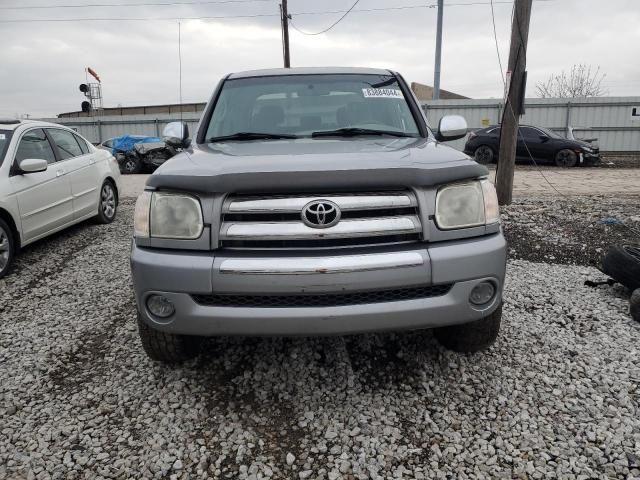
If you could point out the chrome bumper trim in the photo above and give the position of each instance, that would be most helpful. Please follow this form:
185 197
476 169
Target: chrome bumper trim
321 265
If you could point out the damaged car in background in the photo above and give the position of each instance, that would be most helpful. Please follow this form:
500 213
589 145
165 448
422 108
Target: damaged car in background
544 145
137 153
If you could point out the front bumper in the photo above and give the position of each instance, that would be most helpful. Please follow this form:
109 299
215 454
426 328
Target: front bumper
587 158
181 275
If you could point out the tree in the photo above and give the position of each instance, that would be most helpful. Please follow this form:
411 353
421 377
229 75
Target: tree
581 81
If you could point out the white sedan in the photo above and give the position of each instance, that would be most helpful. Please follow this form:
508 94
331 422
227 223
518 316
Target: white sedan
50 179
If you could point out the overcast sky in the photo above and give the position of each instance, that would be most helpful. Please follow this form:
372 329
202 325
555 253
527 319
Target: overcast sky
42 63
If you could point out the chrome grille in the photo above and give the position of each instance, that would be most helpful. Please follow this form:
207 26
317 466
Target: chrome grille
266 222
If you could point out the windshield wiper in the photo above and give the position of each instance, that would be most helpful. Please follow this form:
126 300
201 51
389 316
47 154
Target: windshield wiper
251 136
352 132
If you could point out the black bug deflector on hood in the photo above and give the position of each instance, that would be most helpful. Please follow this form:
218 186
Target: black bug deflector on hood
306 164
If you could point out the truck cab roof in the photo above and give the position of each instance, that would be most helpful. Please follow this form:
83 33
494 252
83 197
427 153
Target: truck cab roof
272 72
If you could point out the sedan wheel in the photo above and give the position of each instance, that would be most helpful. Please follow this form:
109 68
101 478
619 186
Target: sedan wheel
483 155
108 203
566 158
130 166
6 248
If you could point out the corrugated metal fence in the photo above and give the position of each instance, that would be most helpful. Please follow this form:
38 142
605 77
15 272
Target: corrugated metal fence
610 119
99 129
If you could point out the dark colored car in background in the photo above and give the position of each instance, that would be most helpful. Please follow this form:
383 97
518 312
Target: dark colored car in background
543 144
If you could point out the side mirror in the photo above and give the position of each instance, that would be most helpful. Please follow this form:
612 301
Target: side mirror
544 138
451 127
32 165
176 134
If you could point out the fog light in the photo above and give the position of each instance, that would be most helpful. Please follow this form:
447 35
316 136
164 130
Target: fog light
160 306
482 293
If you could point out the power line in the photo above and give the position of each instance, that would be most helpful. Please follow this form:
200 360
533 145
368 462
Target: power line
495 36
138 19
330 26
219 17
144 4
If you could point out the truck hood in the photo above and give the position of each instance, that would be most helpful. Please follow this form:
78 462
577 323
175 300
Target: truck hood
314 164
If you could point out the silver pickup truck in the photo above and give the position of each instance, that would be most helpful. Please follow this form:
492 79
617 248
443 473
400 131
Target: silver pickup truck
311 202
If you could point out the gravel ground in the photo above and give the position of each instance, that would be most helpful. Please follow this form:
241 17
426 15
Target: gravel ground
556 397
618 160
570 231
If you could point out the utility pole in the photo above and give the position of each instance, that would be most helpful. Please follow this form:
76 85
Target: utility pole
284 13
436 70
516 84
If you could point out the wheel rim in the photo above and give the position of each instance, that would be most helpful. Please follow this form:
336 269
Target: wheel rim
108 201
565 158
5 249
484 155
129 166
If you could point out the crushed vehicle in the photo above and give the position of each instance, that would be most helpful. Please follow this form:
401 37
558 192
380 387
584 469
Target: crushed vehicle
316 201
136 154
544 145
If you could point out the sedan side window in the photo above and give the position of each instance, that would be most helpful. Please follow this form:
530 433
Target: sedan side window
83 144
35 144
66 143
529 133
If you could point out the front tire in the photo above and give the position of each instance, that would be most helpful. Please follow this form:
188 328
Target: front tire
130 165
566 158
108 203
7 248
166 347
484 155
471 337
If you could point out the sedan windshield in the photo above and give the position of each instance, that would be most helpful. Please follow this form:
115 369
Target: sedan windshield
293 106
5 137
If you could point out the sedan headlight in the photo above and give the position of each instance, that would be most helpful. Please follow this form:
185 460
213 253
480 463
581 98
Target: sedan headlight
168 215
464 205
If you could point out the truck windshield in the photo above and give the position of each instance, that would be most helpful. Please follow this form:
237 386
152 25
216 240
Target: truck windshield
291 106
5 137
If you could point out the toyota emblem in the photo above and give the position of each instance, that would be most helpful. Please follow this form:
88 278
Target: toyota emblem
321 214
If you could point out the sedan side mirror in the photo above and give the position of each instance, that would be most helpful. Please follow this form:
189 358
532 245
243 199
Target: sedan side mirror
32 165
451 127
544 138
176 134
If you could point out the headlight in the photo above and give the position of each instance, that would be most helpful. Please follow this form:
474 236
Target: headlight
465 205
168 215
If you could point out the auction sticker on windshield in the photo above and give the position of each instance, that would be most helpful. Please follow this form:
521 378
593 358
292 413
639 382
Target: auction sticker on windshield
382 93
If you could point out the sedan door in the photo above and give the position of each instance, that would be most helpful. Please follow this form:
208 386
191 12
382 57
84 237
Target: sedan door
533 143
80 166
44 198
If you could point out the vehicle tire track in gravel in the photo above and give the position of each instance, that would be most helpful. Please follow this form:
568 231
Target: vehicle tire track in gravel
46 258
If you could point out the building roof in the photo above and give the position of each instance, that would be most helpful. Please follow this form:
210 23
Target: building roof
425 93
139 110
